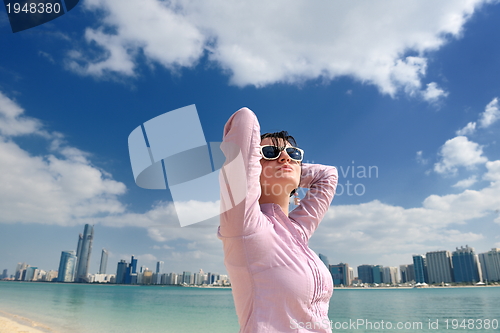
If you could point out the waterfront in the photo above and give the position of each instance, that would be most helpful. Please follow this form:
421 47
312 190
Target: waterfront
84 308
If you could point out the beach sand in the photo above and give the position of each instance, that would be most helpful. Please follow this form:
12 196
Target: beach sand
10 323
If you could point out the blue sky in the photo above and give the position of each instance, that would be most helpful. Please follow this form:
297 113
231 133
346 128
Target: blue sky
414 96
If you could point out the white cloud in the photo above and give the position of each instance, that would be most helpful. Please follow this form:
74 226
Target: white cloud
163 247
491 113
146 257
161 33
58 188
470 128
13 122
459 152
433 93
421 159
379 229
465 183
261 42
64 188
493 173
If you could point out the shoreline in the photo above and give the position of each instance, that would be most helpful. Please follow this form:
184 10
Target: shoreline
10 323
408 287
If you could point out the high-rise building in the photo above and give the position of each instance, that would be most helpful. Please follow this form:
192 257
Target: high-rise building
104 262
337 273
4 274
159 272
186 277
466 266
131 272
407 273
386 275
490 265
439 266
67 266
51 276
324 259
79 248
390 275
411 272
147 277
121 270
420 267
197 279
341 274
133 264
172 278
31 273
377 274
20 271
365 273
84 251
159 267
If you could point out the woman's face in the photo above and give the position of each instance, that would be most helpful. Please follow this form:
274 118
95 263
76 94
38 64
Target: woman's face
280 176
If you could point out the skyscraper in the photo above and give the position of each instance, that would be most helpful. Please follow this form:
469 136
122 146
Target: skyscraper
466 265
407 273
131 272
324 259
20 270
67 266
390 275
365 273
83 253
439 267
420 267
340 274
104 262
79 248
490 264
133 263
187 278
159 267
121 271
377 274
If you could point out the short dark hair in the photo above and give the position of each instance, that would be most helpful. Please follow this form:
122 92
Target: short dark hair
276 137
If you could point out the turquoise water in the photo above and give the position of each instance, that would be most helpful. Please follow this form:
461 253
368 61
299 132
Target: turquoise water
417 310
110 308
80 308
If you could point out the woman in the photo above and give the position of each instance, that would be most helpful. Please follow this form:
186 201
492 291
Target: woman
279 284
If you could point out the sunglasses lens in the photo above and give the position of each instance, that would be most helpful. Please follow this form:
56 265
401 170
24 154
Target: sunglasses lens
294 153
270 152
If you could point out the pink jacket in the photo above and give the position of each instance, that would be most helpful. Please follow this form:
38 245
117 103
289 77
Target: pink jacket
279 284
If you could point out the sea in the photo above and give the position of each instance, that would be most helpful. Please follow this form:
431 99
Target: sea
82 308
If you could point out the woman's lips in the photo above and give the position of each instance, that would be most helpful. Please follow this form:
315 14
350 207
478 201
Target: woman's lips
286 167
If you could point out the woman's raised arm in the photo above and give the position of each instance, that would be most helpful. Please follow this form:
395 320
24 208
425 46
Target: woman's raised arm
240 175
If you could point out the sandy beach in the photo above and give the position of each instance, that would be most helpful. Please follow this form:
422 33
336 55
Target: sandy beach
10 323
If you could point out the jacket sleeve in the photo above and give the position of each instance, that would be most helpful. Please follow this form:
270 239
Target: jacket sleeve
240 176
321 180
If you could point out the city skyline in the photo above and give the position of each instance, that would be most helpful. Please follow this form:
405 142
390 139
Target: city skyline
408 113
433 268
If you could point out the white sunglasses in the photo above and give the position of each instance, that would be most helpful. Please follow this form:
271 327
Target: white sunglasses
270 152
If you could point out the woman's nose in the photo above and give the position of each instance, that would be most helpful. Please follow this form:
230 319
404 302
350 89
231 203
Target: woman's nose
284 157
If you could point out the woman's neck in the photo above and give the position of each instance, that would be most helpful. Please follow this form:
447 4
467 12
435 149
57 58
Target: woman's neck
281 201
